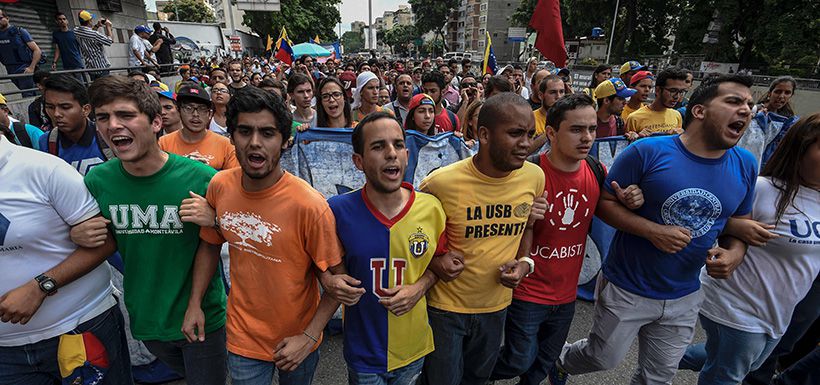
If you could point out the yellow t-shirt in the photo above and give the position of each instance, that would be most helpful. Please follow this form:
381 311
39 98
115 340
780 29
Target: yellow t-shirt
654 121
485 220
628 110
540 121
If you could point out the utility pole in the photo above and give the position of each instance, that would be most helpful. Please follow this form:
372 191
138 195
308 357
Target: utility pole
370 24
612 35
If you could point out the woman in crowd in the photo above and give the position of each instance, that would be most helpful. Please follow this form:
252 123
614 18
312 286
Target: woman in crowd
421 115
601 73
469 125
220 96
256 78
332 108
532 66
778 98
745 315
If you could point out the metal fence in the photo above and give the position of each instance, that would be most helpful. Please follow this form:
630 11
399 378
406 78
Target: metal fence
85 75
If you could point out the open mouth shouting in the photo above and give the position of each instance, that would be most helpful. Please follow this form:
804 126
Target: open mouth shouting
392 172
256 160
121 142
736 128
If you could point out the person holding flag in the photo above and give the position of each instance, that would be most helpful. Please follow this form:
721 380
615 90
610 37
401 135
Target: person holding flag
490 66
284 52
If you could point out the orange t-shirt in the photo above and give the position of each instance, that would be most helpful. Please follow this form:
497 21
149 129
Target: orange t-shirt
278 238
215 148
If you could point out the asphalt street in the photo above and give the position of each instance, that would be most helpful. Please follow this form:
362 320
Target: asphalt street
332 369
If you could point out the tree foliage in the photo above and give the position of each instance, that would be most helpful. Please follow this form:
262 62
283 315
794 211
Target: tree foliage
432 15
770 35
352 41
399 37
303 19
193 11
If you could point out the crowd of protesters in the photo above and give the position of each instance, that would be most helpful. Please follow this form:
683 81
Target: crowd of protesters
470 278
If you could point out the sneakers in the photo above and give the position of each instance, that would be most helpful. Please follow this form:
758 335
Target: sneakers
557 375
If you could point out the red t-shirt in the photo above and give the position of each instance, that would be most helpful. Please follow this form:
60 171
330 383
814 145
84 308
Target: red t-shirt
444 122
608 128
559 240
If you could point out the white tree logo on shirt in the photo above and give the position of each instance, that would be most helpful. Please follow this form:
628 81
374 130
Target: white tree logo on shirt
567 210
249 227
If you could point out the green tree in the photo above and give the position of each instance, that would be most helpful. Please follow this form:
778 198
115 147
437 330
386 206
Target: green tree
432 15
194 11
399 37
303 19
352 42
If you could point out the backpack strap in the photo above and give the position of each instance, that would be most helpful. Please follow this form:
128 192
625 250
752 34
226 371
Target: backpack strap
597 169
52 141
21 134
452 117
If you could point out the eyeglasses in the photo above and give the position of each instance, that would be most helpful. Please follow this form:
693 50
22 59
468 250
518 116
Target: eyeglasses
468 85
220 90
674 92
190 109
335 95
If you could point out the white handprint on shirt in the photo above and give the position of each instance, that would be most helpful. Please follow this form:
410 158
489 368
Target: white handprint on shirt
570 205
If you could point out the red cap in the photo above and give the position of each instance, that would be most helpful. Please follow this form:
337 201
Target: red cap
640 75
421 99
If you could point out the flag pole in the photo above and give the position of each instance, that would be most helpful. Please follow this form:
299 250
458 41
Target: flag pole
612 35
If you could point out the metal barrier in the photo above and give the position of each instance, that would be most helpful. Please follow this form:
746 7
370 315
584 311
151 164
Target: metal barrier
85 75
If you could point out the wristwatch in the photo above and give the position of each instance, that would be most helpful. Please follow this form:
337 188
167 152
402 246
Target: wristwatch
47 284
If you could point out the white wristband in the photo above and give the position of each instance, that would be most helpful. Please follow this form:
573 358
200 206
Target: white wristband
529 262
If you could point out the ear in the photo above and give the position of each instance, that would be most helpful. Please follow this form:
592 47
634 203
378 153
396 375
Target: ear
698 111
357 160
551 133
156 124
483 135
86 110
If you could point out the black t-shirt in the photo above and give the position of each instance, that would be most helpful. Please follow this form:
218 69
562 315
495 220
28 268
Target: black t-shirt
164 53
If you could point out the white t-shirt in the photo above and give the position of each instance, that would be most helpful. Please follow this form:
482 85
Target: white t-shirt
140 45
215 127
41 197
761 294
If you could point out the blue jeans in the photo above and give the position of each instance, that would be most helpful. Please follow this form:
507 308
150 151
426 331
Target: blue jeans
406 375
466 347
249 371
533 338
36 364
728 355
201 363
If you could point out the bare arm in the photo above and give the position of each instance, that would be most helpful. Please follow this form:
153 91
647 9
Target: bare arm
669 239
56 57
538 142
206 261
36 54
721 261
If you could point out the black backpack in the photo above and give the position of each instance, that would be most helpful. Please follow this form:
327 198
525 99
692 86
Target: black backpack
19 132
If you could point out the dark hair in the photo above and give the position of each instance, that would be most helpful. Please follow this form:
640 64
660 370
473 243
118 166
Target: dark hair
443 65
357 139
542 87
396 80
497 109
211 72
109 88
465 61
497 84
235 61
600 101
452 61
517 67
58 14
184 70
69 84
321 115
297 79
600 68
252 99
39 76
556 113
270 82
787 109
410 122
434 77
708 90
139 73
673 73
783 166
157 26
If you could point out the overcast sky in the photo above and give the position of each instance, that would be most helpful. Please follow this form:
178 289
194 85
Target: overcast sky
353 10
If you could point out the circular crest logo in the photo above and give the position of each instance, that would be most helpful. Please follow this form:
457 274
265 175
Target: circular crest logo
418 242
693 208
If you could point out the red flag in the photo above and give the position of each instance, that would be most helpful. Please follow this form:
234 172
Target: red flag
546 20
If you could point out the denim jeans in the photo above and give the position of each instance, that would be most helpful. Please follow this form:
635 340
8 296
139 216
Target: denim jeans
36 363
406 375
201 363
249 371
728 354
466 347
534 335
24 83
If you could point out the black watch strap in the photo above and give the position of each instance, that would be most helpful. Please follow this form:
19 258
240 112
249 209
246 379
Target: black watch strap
47 284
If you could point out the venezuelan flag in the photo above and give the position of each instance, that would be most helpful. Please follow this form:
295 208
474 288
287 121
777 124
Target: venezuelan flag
284 52
490 66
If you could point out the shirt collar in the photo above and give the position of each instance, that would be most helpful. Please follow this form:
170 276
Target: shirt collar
85 140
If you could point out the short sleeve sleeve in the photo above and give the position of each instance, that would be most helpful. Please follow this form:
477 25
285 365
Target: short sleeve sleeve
69 195
210 234
750 178
25 35
324 248
627 169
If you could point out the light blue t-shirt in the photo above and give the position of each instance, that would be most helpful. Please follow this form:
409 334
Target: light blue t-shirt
33 132
681 189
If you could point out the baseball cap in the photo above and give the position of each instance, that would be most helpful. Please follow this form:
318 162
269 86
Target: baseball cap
194 92
614 86
85 15
348 79
641 75
167 95
558 71
2 99
142 28
421 99
506 68
631 65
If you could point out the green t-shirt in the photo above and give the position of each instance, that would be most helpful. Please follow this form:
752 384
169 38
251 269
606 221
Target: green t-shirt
157 248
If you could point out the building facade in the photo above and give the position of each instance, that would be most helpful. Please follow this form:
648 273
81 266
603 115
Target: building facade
467 25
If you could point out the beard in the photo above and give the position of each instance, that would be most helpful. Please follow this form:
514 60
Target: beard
500 160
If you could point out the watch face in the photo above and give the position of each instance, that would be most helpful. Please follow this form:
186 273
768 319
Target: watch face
48 285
